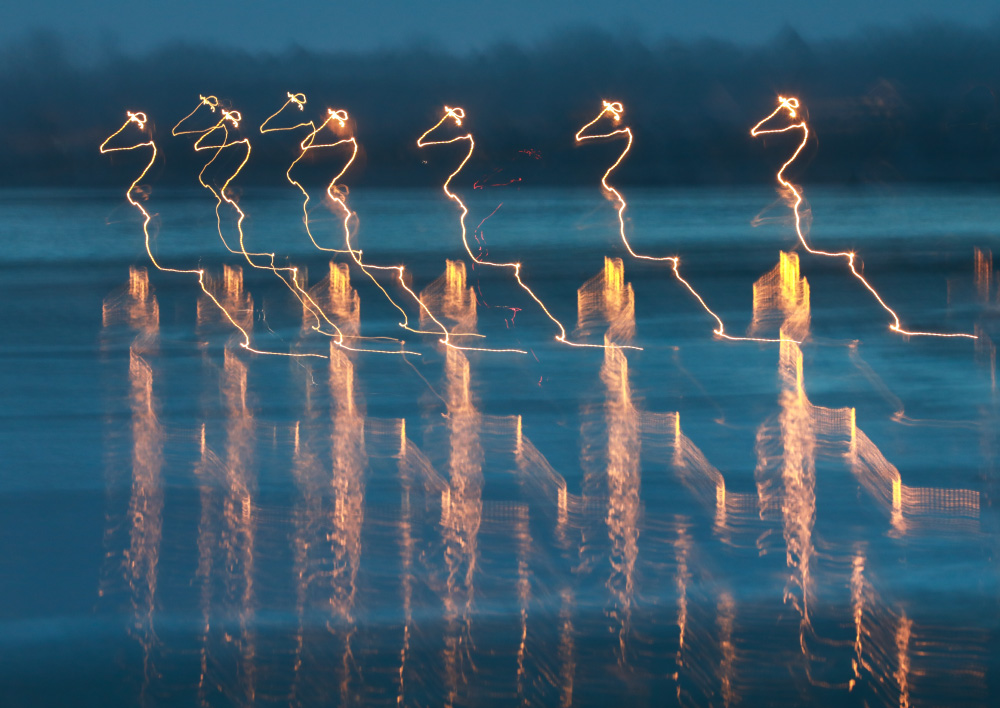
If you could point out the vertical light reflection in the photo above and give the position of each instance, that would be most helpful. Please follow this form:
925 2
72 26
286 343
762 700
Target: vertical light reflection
725 619
145 511
406 552
206 533
349 463
882 645
452 298
623 490
239 524
464 515
425 493
567 648
798 475
308 526
135 306
522 534
334 294
682 551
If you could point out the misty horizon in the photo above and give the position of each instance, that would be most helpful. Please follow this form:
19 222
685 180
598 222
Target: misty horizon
913 105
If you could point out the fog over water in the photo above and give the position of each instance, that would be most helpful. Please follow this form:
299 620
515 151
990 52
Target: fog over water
918 104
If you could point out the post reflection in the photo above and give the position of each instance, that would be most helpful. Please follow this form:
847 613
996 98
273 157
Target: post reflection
349 464
136 307
237 535
461 521
623 491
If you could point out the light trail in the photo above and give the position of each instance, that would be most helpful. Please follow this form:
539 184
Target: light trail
232 119
615 109
140 120
791 106
298 100
456 115
337 195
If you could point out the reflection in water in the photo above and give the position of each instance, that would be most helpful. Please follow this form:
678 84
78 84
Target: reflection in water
680 627
623 490
798 478
309 528
239 523
335 295
726 616
882 644
450 296
145 509
461 524
226 538
349 464
901 662
607 300
136 307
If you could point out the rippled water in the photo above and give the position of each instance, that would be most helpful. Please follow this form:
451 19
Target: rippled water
698 521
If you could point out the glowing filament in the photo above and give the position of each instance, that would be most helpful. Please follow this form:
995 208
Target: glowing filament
790 106
615 110
456 115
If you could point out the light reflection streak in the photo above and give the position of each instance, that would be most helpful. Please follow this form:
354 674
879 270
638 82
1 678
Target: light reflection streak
227 645
882 644
567 648
239 523
350 461
790 107
606 299
623 472
462 522
138 308
522 534
310 530
614 111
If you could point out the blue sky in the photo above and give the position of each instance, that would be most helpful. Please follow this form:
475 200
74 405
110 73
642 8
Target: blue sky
334 24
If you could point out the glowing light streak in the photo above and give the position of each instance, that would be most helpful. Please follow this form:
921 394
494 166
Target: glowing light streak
287 275
464 516
299 100
624 481
791 107
614 110
782 294
337 194
456 115
140 120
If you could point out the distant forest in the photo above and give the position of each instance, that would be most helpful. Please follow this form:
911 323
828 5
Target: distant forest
915 105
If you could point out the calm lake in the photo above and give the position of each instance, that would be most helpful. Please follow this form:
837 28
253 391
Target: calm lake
674 518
